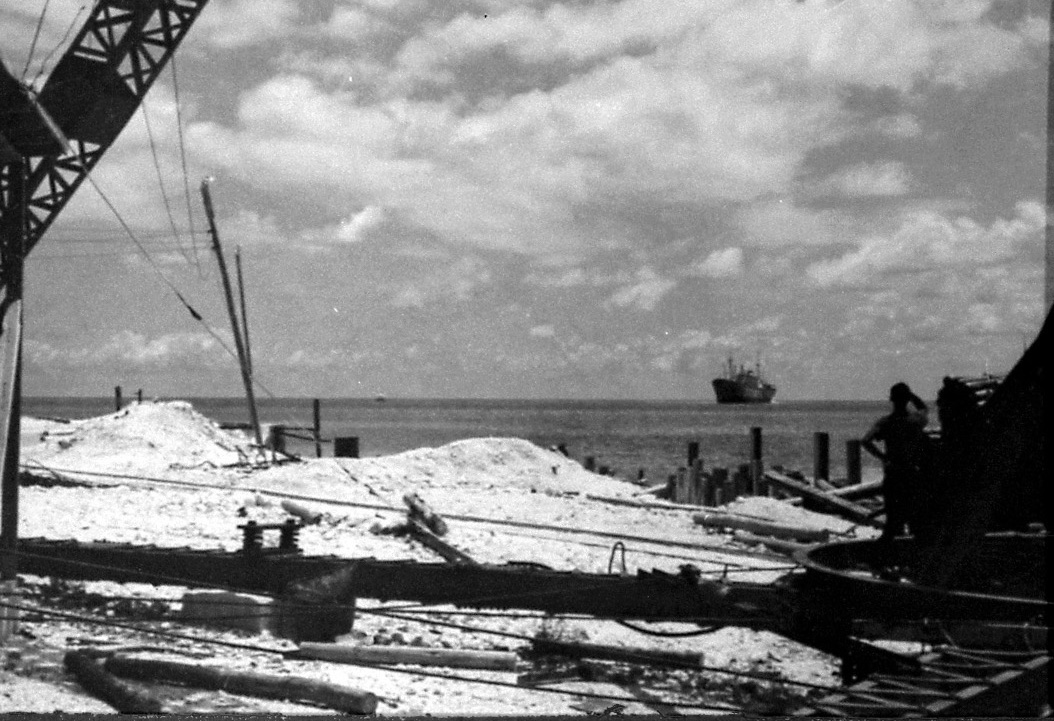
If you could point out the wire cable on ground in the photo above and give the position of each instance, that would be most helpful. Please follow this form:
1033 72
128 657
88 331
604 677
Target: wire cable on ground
384 667
381 612
389 507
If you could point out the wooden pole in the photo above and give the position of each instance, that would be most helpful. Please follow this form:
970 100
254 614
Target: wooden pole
117 403
238 337
316 412
417 656
757 464
12 256
292 688
241 302
693 452
121 695
852 462
821 456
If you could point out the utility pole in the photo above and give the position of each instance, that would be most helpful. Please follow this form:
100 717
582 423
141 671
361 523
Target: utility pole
12 260
228 294
241 302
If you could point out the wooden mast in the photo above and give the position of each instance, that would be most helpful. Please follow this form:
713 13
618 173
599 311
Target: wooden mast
239 343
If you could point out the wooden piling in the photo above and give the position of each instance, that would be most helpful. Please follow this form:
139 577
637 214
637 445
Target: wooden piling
718 480
742 481
757 464
590 463
821 456
693 452
852 463
698 487
117 398
316 413
139 396
681 487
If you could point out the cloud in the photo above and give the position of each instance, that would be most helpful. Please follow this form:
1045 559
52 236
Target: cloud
456 281
724 263
134 349
929 240
867 179
645 292
232 24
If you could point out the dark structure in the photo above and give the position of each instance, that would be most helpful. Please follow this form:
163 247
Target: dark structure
743 385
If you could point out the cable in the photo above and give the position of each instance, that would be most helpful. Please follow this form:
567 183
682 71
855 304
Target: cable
458 517
65 37
394 669
36 36
161 179
183 164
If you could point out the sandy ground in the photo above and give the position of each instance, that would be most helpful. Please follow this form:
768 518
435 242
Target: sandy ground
223 482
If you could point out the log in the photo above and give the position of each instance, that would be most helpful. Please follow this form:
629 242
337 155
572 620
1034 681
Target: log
642 656
448 552
651 490
859 490
101 684
410 655
288 688
422 511
764 528
828 501
308 515
779 545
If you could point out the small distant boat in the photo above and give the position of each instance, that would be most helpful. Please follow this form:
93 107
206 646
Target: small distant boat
743 385
381 398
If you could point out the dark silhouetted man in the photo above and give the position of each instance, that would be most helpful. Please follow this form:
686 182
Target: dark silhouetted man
904 456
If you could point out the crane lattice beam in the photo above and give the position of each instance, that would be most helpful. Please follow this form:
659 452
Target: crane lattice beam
92 93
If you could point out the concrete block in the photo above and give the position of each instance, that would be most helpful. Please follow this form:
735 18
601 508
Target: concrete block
223 609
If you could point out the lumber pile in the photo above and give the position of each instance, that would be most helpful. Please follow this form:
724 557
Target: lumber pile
825 501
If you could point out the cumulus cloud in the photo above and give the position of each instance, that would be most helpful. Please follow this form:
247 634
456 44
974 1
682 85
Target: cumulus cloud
927 240
645 292
133 349
868 179
724 263
456 281
231 24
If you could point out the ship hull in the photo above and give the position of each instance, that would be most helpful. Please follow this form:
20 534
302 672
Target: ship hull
729 391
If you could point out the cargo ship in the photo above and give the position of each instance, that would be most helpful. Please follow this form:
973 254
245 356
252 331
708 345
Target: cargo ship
743 385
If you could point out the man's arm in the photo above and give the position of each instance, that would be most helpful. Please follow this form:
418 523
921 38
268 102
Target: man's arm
868 441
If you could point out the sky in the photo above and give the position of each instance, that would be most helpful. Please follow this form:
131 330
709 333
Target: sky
557 199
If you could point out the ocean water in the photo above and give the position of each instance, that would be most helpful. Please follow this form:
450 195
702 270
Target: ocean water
625 436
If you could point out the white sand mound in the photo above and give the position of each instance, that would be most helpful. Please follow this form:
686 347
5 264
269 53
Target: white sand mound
488 465
777 511
145 438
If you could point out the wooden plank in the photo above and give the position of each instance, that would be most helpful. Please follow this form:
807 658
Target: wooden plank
422 511
761 528
780 545
832 503
445 550
288 688
859 490
410 655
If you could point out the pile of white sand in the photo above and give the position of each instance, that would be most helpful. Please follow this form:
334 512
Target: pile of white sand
142 438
